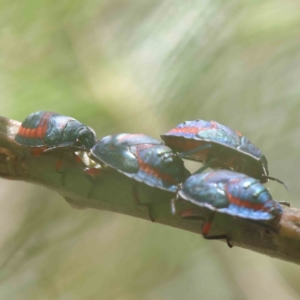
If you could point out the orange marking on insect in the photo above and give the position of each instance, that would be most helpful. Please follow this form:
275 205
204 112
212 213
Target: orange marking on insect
41 131
147 168
38 132
30 133
44 119
27 133
244 203
20 131
238 133
185 129
193 129
43 125
34 134
206 228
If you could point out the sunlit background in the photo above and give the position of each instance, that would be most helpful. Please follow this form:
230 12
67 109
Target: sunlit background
145 66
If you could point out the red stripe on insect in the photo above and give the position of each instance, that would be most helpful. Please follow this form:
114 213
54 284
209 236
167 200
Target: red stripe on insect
20 132
43 125
156 173
147 168
31 133
193 129
238 133
186 130
244 203
206 228
39 131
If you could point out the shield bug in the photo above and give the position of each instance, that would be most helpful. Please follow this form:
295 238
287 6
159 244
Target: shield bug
43 131
218 146
143 159
231 193
47 130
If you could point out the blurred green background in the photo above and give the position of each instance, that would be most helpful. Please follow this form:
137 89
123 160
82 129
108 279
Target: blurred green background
145 66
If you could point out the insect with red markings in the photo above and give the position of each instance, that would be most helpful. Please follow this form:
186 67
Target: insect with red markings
143 159
231 193
43 131
47 130
218 146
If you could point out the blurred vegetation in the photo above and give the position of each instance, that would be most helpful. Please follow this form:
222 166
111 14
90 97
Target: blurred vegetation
145 66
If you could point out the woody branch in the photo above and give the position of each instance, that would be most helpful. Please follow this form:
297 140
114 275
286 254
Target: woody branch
113 192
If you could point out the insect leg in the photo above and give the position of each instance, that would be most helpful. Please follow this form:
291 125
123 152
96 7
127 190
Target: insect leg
135 195
206 228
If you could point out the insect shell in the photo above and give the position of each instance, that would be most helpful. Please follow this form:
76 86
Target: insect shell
142 158
219 146
42 131
232 193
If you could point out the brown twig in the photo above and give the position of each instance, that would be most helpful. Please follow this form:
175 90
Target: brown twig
113 192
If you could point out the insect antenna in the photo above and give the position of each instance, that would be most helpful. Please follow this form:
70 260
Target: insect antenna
278 180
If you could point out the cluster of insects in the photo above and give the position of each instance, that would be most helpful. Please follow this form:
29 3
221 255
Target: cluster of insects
234 186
